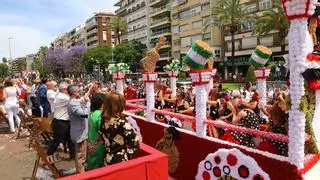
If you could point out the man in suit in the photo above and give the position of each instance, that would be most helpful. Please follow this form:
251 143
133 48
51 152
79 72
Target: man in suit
78 110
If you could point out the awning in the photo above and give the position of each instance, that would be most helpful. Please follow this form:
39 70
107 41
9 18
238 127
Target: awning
240 61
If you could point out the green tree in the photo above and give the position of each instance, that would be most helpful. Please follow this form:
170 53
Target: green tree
140 50
4 70
119 25
125 53
38 63
101 55
273 19
250 76
4 60
230 14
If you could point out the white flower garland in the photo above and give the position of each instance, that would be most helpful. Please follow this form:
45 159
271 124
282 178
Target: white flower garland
209 85
262 90
150 101
173 85
300 44
201 110
119 84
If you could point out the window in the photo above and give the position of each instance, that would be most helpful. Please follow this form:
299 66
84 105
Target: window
247 26
250 8
175 29
267 41
249 42
183 28
176 54
265 4
185 41
175 16
104 35
197 24
176 42
207 37
196 37
206 20
205 6
217 53
236 45
190 12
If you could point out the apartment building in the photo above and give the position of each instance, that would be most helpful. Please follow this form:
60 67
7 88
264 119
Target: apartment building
160 25
135 14
29 60
98 30
18 65
245 41
75 36
190 22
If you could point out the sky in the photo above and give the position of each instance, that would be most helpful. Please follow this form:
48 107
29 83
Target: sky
34 23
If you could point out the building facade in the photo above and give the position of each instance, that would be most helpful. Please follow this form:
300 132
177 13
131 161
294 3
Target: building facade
98 30
190 22
18 65
245 41
135 13
29 60
160 25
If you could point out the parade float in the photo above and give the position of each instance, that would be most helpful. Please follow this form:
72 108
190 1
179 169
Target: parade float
203 157
194 155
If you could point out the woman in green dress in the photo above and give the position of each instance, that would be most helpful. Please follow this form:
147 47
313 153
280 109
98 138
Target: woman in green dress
96 150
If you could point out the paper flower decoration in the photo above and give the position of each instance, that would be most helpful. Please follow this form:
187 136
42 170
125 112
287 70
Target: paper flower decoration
174 66
122 67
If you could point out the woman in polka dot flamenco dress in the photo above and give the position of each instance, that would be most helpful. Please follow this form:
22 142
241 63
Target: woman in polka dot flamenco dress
248 119
278 124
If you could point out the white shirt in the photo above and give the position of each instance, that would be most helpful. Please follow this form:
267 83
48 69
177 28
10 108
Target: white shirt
12 99
248 95
51 95
60 107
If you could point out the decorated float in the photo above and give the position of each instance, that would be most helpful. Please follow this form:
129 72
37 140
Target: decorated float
194 155
201 157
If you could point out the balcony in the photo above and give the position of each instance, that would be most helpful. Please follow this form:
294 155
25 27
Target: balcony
121 11
165 56
93 31
118 3
163 32
157 3
159 11
92 38
159 22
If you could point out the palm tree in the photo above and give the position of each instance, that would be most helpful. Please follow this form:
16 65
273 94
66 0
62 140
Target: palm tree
119 25
230 14
274 19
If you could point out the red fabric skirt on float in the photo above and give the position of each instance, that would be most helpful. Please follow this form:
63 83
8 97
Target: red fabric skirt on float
268 146
228 136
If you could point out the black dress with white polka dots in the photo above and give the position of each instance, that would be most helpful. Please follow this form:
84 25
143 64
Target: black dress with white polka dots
251 120
281 146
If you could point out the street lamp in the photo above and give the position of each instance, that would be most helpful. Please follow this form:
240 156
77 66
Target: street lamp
10 47
98 70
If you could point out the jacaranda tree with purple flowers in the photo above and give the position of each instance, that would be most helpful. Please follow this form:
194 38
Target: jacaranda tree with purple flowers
58 60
